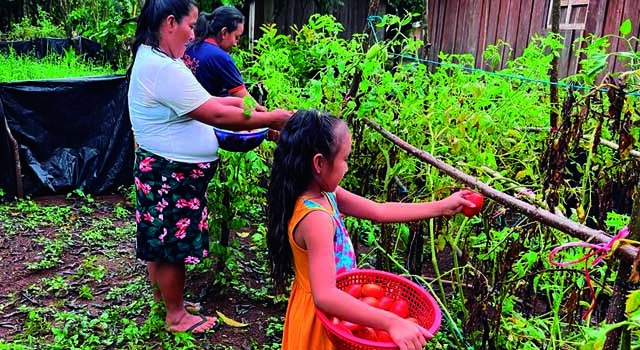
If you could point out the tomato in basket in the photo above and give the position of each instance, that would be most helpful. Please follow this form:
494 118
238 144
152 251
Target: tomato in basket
370 300
384 336
355 290
372 290
385 303
366 333
400 307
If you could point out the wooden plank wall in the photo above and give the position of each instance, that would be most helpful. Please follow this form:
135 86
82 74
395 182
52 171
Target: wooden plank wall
353 15
469 26
615 12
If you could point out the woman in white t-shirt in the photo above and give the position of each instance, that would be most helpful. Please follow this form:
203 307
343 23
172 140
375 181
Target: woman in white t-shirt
171 115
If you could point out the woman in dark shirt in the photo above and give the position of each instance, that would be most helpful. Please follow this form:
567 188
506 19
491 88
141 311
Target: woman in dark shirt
209 59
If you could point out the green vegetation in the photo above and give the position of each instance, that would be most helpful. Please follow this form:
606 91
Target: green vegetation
15 67
490 274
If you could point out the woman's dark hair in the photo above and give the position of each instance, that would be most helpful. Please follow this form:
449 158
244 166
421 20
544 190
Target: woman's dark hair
306 134
210 24
151 16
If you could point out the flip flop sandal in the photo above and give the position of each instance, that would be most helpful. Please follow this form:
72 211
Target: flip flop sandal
203 320
192 308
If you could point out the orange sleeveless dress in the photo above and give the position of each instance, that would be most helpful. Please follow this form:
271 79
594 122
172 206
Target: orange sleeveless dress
302 329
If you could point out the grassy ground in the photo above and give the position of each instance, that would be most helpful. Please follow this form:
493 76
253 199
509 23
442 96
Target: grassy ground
15 67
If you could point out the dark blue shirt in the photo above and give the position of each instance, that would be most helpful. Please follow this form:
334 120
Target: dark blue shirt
214 68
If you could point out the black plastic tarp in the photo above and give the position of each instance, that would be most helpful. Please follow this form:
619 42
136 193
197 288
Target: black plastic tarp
41 47
7 169
73 133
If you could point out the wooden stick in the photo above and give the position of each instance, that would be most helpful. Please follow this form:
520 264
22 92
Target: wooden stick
612 145
16 159
565 225
530 196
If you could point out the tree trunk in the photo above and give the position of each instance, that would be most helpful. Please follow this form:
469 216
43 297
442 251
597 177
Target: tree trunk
425 33
16 159
382 260
553 73
616 311
224 225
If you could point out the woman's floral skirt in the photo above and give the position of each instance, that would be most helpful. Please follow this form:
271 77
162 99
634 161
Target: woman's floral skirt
171 208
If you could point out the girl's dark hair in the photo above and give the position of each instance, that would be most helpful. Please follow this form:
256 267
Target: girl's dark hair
151 16
306 134
210 24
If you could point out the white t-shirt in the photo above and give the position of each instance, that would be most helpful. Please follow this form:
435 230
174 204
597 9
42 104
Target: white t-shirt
162 90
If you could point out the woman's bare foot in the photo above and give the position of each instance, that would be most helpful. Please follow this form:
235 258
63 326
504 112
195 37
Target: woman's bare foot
191 323
191 307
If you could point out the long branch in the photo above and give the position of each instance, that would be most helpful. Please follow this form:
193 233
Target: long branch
565 225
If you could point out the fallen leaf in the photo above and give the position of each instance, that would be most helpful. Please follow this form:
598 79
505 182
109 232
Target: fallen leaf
230 322
243 234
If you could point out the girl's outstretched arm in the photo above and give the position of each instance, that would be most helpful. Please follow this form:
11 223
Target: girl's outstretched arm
353 205
315 234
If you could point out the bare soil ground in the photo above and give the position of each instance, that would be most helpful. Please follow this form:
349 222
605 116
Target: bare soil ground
88 246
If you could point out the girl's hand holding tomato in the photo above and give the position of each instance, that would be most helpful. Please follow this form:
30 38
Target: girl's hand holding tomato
477 199
456 203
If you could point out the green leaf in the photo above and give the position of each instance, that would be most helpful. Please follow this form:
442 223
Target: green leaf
626 27
633 301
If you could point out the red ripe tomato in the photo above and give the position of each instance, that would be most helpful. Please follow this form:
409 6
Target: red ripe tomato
384 336
372 290
349 325
342 328
366 333
475 198
385 303
370 300
355 290
400 307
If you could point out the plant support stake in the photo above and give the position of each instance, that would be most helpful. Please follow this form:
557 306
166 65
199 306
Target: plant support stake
565 225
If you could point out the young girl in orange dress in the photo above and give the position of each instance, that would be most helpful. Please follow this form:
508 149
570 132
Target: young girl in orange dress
307 239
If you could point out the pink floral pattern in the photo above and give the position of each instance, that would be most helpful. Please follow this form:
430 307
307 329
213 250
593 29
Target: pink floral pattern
196 173
145 164
171 209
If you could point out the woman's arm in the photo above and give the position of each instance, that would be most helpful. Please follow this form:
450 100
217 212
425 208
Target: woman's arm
242 92
228 113
316 231
353 205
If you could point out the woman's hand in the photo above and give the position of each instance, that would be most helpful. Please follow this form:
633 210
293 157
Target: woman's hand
273 135
454 203
279 118
408 335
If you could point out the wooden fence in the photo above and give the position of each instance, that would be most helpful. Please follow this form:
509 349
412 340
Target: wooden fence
353 15
469 26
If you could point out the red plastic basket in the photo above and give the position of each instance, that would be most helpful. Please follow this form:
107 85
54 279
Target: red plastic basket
422 307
